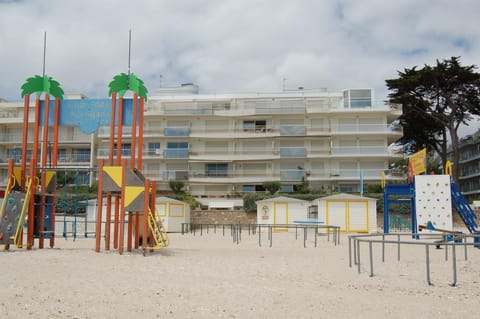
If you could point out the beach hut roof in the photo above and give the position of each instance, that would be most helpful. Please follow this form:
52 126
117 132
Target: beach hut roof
281 199
345 196
168 200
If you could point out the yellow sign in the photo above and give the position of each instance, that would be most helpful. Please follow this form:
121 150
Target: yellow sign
418 162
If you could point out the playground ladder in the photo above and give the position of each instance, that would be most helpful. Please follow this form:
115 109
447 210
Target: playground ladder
158 230
463 208
18 234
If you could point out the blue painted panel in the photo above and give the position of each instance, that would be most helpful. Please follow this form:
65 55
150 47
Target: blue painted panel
87 114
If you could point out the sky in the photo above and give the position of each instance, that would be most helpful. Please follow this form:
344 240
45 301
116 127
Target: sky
227 46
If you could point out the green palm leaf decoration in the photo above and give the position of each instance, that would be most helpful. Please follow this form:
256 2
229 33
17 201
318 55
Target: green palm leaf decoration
123 82
39 84
119 84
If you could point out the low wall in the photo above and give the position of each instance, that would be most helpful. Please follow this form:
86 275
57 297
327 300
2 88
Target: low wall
222 217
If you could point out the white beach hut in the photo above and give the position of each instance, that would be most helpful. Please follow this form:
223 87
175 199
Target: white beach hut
281 210
172 213
351 213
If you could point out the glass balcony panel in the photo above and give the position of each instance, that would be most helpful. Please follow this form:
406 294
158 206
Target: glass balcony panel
175 153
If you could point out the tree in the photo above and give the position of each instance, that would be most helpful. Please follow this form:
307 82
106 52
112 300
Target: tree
436 101
272 187
176 186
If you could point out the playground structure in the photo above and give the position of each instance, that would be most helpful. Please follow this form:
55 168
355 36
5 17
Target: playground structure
431 198
30 193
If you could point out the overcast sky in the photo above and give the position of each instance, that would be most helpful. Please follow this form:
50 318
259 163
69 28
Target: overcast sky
232 45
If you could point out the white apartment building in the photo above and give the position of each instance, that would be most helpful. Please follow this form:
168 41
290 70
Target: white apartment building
230 144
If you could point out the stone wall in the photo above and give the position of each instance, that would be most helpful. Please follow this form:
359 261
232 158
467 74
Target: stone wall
222 217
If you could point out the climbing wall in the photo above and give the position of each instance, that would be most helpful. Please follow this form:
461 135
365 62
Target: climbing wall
433 202
11 217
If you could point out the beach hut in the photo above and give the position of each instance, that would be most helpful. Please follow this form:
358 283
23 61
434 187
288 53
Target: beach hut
172 213
351 213
281 210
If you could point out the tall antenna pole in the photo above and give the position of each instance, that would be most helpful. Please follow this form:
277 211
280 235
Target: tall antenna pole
44 51
129 48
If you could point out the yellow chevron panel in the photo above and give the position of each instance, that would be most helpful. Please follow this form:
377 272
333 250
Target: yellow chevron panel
115 173
17 173
131 193
50 181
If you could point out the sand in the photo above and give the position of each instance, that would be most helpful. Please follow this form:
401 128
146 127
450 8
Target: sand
209 276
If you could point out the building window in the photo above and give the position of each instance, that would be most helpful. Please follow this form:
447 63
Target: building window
154 148
81 155
255 125
253 188
216 169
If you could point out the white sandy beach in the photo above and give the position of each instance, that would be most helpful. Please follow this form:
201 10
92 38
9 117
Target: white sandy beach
211 277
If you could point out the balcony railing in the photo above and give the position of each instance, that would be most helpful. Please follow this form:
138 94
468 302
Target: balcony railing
175 153
176 131
293 152
362 150
292 130
292 174
105 152
365 128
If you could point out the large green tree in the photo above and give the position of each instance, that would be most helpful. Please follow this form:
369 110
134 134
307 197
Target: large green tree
436 101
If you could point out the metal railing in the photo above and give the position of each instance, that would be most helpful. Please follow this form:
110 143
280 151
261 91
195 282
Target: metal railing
437 240
236 231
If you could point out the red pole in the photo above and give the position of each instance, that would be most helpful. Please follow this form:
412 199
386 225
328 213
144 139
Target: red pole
26 111
98 228
43 180
122 209
153 202
116 218
140 133
56 120
134 130
146 206
31 206
36 131
112 129
110 162
11 165
120 131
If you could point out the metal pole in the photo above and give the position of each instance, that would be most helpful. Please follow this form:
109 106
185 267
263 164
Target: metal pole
454 261
371 258
427 261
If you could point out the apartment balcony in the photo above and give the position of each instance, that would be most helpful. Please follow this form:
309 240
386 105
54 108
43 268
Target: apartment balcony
104 131
12 115
366 129
152 154
176 153
292 130
465 158
367 151
176 131
13 138
469 174
293 152
178 175
180 108
105 152
356 174
293 175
